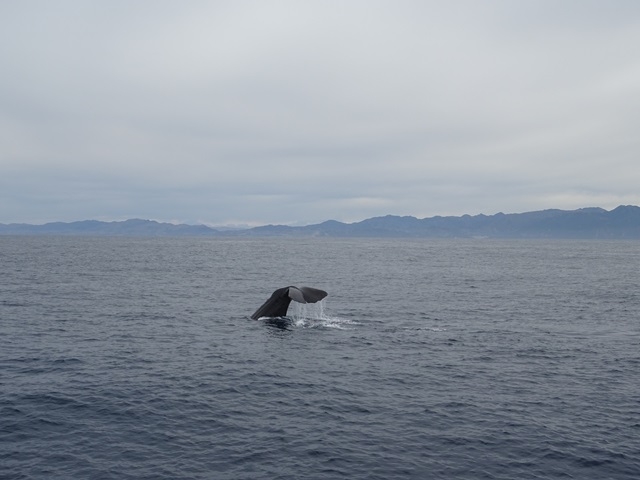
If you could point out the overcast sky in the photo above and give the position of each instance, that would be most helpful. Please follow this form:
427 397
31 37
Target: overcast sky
295 112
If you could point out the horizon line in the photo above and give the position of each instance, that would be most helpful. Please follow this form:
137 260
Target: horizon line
298 224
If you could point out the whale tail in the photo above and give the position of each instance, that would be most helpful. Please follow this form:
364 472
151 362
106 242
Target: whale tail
278 304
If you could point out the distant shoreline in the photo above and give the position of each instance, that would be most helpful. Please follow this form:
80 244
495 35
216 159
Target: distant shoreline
622 222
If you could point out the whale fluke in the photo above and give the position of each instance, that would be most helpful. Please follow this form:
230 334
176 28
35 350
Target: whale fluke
278 303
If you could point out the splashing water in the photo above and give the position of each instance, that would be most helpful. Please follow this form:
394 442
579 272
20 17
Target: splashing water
313 315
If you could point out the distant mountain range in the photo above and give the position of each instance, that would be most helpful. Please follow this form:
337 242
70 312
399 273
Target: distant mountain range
622 222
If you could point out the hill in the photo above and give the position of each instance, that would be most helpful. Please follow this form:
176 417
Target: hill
619 223
622 222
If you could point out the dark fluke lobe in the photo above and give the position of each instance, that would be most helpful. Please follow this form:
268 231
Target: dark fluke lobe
278 303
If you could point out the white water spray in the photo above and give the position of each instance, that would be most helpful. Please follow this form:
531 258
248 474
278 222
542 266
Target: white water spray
313 315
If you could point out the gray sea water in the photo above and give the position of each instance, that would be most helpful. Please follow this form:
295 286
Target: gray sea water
124 358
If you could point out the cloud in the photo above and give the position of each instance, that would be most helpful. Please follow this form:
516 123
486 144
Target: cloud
272 112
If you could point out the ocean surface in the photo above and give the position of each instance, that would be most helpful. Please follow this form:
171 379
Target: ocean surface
135 358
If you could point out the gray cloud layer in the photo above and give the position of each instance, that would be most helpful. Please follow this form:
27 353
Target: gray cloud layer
288 111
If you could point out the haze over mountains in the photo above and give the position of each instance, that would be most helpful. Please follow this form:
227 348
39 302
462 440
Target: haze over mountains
622 222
